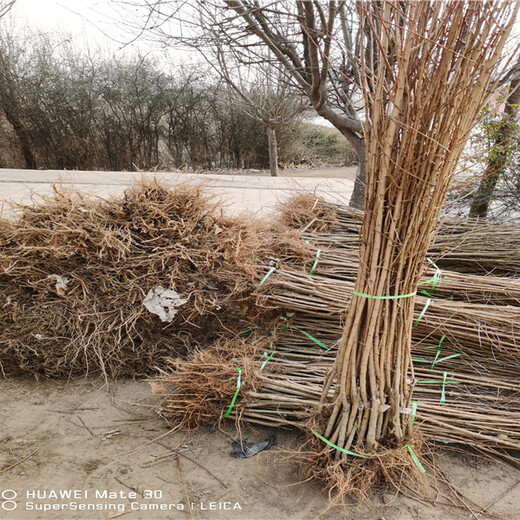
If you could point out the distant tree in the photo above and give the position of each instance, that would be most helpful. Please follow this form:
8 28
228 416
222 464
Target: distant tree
315 47
6 6
265 97
504 132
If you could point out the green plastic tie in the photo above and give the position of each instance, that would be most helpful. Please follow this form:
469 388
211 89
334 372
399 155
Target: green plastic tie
423 312
248 330
343 450
415 458
414 413
439 345
448 357
269 273
236 393
270 356
313 268
312 338
435 279
443 393
363 295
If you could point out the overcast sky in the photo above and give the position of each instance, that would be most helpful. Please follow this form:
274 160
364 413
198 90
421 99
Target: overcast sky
86 20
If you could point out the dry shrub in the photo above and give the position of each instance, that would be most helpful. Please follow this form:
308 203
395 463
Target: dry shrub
200 389
113 252
307 212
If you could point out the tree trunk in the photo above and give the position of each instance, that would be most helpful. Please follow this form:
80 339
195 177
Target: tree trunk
480 203
273 151
357 200
498 155
22 134
11 109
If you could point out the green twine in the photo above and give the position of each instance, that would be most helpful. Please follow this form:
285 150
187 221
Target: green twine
435 279
414 412
270 356
443 392
423 312
248 330
343 450
443 382
414 457
269 273
236 393
317 341
313 268
437 359
438 351
287 326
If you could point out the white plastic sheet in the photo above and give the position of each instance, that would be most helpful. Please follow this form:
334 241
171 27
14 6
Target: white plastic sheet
163 302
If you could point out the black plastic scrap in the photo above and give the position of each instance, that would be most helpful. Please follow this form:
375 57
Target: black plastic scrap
244 450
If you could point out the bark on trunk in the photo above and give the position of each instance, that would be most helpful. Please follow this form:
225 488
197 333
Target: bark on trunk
498 155
21 133
357 200
273 151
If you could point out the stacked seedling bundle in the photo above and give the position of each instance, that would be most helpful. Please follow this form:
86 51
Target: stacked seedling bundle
461 245
421 101
75 274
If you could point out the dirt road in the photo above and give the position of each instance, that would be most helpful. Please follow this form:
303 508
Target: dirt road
119 457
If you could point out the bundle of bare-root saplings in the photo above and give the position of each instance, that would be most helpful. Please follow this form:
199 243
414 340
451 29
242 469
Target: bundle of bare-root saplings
115 286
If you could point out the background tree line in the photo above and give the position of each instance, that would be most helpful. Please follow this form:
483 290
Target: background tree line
65 108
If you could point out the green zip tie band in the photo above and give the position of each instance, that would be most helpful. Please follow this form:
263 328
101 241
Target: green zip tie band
315 264
343 450
435 279
248 330
426 293
269 273
448 357
315 204
443 392
287 326
415 458
270 356
317 341
384 297
236 393
438 351
423 312
414 413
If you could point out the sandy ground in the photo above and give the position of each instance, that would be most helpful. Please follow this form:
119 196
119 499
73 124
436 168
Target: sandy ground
78 436
105 444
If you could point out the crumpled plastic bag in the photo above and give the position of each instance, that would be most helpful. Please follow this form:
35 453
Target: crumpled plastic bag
163 302
244 450
61 283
